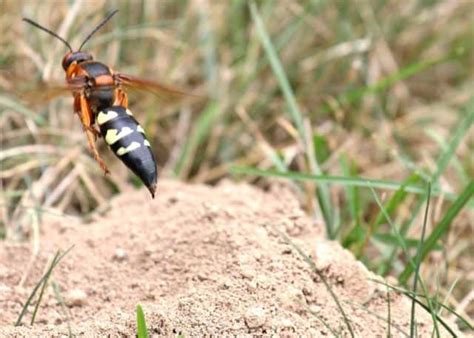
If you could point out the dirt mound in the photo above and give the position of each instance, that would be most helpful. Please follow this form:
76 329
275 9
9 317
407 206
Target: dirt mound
199 260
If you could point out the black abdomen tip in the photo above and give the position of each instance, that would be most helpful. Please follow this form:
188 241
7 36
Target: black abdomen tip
152 189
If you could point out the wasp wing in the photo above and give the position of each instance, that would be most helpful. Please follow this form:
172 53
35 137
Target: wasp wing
162 91
44 93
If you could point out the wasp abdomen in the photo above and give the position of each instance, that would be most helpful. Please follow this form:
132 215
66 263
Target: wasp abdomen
127 140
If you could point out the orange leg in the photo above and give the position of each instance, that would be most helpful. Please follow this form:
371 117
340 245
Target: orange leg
77 110
86 118
121 99
95 131
77 104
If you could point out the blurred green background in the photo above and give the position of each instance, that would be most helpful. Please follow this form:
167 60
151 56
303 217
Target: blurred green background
347 100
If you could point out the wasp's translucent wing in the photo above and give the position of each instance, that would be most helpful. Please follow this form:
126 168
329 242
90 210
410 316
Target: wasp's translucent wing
43 93
162 91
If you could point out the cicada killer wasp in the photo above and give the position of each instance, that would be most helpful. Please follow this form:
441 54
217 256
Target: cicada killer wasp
102 105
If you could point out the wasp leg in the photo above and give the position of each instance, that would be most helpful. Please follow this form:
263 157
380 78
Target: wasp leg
77 104
86 119
121 99
77 110
94 130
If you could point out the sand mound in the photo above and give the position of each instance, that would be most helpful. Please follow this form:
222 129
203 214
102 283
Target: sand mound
199 260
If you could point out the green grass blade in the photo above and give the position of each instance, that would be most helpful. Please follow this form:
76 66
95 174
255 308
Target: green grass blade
352 181
389 209
400 239
418 261
441 228
352 193
447 296
382 318
457 165
390 240
208 48
43 287
323 194
389 315
354 96
202 128
322 321
142 331
57 258
277 68
411 262
66 314
461 130
356 237
441 164
437 318
329 212
395 200
461 319
310 262
410 295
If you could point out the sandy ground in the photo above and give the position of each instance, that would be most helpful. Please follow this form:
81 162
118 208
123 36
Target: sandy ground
200 260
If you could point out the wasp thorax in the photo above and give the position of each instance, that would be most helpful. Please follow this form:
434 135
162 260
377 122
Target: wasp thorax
77 57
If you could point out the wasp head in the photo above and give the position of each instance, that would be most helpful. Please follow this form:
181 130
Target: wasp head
72 56
77 57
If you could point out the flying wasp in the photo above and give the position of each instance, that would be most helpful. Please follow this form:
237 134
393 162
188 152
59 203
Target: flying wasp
102 106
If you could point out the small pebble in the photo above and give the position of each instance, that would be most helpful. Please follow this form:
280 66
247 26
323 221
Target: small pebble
285 324
291 298
75 297
247 272
255 317
120 255
252 286
323 256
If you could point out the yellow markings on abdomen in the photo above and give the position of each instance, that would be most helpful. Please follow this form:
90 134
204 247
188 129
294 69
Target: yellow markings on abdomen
112 136
140 129
124 150
146 143
104 117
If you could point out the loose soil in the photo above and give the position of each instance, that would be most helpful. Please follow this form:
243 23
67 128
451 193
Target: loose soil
200 260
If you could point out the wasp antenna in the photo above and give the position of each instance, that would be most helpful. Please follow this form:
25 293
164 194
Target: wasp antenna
99 26
31 22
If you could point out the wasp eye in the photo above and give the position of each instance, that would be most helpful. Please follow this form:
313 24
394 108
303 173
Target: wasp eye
66 61
75 57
